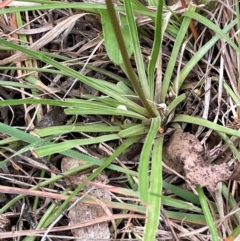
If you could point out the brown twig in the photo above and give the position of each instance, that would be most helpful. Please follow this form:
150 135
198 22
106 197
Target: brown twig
69 227
44 194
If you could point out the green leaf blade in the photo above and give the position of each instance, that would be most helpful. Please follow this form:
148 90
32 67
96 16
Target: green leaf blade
145 158
155 191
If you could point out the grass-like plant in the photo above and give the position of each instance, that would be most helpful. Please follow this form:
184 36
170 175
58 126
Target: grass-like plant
141 100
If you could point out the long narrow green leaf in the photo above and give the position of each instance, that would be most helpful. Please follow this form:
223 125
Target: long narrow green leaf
104 111
66 102
78 6
66 145
23 136
154 201
207 214
187 217
157 43
136 48
175 53
206 123
60 130
73 73
59 5
179 204
145 158
183 193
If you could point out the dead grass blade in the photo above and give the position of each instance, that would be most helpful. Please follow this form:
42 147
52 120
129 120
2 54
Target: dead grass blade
63 25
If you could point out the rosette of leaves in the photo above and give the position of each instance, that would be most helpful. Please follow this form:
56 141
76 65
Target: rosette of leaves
141 98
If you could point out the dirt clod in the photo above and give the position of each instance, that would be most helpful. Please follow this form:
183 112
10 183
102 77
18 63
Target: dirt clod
84 212
183 153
